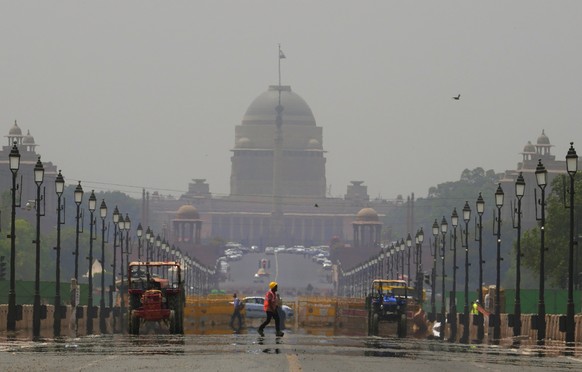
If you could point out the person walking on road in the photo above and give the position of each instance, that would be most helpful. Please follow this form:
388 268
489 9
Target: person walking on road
270 306
236 313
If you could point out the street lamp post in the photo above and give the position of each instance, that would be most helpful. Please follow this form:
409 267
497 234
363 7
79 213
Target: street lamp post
102 214
121 224
127 226
541 178
435 234
408 245
78 200
139 234
444 228
466 219
78 196
151 240
419 272
572 166
59 188
497 319
148 235
124 269
92 207
392 254
14 159
453 309
158 245
38 179
382 272
402 250
519 192
114 265
480 210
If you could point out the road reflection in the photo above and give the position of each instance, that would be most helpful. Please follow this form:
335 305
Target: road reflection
551 355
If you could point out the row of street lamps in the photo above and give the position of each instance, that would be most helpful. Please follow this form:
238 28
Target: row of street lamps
196 276
353 282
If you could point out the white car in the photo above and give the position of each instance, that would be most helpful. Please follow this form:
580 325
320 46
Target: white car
254 308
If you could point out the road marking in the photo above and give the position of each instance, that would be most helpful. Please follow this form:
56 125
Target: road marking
294 365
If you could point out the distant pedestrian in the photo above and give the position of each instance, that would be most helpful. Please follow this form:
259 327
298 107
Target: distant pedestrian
271 306
487 301
475 308
238 305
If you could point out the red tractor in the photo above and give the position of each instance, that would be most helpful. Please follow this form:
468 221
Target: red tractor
156 294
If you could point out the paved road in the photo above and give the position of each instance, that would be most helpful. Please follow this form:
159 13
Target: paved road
293 352
294 272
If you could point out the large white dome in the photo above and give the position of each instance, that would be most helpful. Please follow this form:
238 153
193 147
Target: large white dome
263 109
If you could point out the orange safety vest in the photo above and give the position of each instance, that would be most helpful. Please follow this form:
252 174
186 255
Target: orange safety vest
270 303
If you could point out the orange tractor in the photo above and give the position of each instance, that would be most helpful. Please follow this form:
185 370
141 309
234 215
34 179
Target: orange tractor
156 294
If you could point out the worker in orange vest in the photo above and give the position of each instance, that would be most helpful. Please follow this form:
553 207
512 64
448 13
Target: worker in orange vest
270 306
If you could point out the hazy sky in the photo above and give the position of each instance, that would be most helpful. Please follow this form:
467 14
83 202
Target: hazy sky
147 93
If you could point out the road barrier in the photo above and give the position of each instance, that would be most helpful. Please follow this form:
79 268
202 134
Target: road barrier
313 315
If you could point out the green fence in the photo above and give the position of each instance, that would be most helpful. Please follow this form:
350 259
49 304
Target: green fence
555 301
25 293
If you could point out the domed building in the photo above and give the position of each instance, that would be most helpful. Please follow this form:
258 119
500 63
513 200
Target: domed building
27 149
367 228
302 167
278 183
531 156
187 225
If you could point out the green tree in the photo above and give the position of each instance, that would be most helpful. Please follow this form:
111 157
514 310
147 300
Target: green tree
557 232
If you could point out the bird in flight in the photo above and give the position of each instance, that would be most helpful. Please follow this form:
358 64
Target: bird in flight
457 97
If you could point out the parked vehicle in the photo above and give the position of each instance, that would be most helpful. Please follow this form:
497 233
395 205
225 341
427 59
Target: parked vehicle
156 294
254 308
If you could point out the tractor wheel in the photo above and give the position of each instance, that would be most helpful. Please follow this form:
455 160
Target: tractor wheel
375 322
179 320
402 326
172 322
133 324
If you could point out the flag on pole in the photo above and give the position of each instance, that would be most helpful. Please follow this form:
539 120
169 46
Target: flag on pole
281 54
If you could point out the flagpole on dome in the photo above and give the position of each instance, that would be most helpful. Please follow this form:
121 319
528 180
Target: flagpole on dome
281 56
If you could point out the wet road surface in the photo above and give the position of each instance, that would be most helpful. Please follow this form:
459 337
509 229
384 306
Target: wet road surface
293 352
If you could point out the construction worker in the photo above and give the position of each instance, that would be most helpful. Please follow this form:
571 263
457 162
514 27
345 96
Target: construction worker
270 306
474 308
237 305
